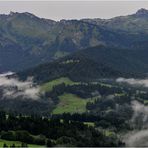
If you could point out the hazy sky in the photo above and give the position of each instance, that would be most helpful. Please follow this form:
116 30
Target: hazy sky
57 10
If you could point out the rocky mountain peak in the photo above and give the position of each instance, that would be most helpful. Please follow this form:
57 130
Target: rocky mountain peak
142 12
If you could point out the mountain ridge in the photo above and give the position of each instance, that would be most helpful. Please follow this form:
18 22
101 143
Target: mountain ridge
140 11
27 40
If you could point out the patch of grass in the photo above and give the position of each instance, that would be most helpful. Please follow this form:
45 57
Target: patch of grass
70 103
49 85
17 143
90 123
109 133
102 84
60 54
145 102
119 94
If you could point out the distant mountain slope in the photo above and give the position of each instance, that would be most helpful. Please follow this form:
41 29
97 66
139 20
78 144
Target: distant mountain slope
93 63
77 68
26 40
131 61
134 23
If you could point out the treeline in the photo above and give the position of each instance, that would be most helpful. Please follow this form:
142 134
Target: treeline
117 119
52 132
83 90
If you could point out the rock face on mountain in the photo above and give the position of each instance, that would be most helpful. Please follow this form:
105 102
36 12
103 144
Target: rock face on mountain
142 12
26 40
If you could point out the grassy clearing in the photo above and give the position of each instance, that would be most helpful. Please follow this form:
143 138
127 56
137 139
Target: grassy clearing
102 84
17 143
46 87
60 54
108 133
70 103
119 94
49 85
90 123
145 102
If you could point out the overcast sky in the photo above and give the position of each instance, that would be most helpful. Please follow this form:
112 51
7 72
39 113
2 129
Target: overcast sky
57 10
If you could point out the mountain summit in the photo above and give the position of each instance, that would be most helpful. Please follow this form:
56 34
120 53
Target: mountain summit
142 12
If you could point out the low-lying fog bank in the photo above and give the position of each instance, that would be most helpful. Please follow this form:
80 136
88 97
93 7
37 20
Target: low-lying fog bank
13 87
139 136
134 82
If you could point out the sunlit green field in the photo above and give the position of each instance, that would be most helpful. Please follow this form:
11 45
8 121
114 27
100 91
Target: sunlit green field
70 103
49 85
90 123
17 143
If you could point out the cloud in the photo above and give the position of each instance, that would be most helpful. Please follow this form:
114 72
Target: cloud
137 138
6 74
13 87
132 81
140 115
139 122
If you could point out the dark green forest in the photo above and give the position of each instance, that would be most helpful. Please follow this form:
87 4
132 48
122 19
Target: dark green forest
56 131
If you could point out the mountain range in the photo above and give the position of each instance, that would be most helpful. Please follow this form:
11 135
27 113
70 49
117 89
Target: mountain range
27 40
73 82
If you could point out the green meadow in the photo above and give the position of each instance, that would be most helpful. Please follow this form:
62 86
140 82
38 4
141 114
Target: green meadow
17 143
49 85
70 103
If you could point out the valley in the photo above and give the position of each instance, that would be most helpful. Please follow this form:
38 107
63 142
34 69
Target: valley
73 83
